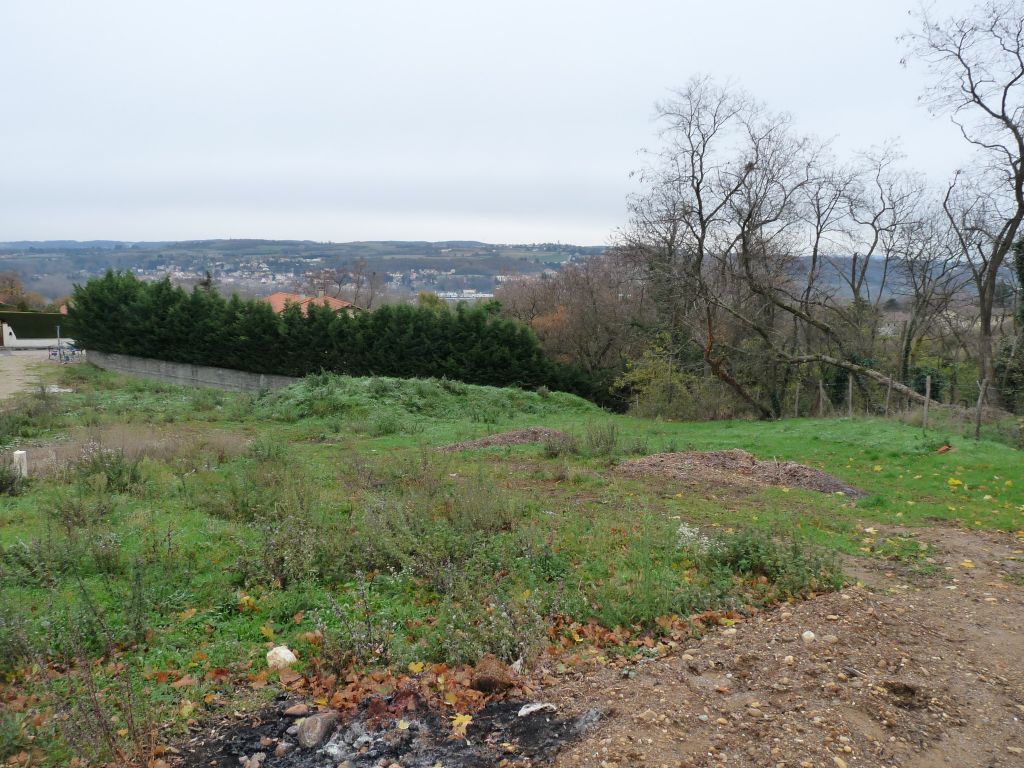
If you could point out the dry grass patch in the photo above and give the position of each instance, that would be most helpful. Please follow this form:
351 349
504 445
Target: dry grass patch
184 448
515 437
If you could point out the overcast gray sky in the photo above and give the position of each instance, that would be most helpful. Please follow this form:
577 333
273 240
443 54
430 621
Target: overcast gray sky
452 119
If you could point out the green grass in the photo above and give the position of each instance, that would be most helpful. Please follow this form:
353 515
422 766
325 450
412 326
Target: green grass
322 517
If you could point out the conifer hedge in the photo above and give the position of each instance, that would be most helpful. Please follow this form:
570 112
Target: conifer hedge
118 313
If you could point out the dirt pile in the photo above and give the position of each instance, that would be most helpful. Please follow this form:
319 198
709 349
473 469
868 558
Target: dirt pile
735 467
915 673
515 437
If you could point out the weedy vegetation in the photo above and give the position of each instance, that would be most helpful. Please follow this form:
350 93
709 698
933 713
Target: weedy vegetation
171 536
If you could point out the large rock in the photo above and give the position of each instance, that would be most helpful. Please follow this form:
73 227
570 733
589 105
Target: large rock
313 731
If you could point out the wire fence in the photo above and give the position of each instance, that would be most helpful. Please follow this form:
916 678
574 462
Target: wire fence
974 413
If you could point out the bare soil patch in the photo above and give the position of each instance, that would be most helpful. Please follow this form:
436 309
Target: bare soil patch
19 371
897 674
515 437
136 441
735 467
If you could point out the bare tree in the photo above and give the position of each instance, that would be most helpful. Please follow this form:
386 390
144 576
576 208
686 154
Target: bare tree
735 199
930 274
685 221
884 203
365 285
592 314
978 66
355 282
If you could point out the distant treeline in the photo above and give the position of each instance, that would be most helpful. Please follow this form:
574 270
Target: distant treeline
121 314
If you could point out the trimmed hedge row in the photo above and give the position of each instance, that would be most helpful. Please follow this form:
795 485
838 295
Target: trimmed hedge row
119 313
34 325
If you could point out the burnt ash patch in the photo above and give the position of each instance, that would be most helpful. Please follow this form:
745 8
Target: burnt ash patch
422 739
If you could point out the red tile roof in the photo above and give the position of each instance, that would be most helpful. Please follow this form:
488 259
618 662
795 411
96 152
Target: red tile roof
279 300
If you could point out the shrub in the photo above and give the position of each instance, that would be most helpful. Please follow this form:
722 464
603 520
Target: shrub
384 424
15 648
11 481
107 469
792 568
556 445
39 561
602 439
283 551
357 633
266 449
240 492
28 416
496 625
79 509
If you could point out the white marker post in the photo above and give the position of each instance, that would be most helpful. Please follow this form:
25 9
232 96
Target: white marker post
21 463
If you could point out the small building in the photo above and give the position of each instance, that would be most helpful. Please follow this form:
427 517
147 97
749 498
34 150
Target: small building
278 301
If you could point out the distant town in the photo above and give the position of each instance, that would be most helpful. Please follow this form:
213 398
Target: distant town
455 270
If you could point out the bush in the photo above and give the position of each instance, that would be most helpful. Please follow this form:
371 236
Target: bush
557 445
11 481
384 424
28 416
107 469
602 439
266 449
15 648
509 629
792 568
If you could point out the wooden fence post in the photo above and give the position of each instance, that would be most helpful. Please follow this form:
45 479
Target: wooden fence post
927 398
796 401
849 396
821 398
888 395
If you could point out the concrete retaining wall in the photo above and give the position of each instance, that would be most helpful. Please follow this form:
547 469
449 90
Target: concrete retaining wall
188 375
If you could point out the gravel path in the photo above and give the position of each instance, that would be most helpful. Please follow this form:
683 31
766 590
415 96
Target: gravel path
19 370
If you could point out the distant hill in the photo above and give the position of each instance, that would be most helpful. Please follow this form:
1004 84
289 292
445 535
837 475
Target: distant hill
252 266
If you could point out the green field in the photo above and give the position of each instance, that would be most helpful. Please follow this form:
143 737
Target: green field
177 534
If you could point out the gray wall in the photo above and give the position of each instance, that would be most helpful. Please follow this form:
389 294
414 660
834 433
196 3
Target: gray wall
188 375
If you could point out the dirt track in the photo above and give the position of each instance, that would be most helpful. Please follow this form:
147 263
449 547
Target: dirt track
908 670
18 370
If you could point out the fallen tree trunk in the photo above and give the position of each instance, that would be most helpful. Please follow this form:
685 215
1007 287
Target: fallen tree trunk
861 370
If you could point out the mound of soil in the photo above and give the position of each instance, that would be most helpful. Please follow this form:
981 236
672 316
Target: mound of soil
736 467
515 437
